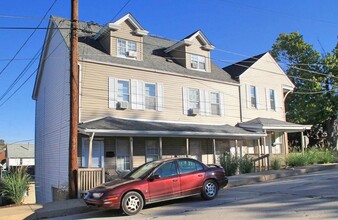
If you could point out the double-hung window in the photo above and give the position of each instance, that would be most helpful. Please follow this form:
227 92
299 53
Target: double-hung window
197 62
253 97
215 103
194 99
150 96
272 99
123 91
126 48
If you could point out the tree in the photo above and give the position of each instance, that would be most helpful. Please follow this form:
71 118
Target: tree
314 100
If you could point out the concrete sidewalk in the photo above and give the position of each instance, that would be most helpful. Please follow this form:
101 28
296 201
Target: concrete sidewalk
76 206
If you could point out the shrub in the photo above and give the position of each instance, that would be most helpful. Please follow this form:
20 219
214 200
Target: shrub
15 184
276 163
229 163
296 159
245 164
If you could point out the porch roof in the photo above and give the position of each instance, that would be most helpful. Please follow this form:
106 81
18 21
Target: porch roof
111 126
269 124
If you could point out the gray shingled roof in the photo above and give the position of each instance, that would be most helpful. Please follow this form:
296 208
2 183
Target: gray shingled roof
272 124
126 127
20 150
237 69
153 56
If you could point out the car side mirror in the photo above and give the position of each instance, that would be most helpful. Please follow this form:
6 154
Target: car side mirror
154 177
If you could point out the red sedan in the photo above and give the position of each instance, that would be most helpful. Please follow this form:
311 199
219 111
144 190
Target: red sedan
158 181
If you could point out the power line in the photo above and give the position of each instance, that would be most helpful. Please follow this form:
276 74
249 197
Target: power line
28 38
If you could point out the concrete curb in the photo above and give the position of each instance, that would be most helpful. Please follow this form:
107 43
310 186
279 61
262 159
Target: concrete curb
246 179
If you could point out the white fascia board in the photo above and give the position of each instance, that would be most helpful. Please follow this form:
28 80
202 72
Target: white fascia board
169 133
288 128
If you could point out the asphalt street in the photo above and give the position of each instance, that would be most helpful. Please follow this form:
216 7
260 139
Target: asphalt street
309 196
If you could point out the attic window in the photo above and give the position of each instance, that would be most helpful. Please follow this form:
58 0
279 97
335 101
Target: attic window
197 62
126 49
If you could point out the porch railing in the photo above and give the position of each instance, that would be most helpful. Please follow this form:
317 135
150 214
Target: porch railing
262 162
88 178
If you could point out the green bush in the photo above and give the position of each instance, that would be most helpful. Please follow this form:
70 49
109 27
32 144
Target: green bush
229 163
296 159
276 163
245 165
15 184
311 156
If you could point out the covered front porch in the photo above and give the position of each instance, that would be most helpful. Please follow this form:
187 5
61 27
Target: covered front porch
118 145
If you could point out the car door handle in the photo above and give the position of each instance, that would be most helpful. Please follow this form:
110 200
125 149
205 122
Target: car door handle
200 175
175 180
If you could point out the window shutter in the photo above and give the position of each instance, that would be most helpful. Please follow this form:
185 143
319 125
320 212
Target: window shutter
268 104
185 100
202 102
221 103
207 103
257 98
248 96
276 101
159 95
140 95
112 93
133 94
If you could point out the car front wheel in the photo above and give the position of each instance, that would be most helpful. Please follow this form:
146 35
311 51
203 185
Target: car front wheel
132 203
209 190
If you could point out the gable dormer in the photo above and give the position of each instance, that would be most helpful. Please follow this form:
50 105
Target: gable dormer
123 38
193 52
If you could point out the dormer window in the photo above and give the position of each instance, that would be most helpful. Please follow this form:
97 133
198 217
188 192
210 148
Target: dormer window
126 48
197 62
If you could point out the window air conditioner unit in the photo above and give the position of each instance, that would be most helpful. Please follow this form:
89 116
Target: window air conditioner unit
194 65
132 54
194 111
122 105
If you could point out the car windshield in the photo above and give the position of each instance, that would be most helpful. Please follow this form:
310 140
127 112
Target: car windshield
142 171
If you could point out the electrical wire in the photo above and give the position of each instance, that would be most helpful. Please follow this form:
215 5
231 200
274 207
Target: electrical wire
29 37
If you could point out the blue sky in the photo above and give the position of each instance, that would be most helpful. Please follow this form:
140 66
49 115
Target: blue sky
237 28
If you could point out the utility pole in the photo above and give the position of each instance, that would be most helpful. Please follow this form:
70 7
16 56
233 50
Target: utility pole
74 101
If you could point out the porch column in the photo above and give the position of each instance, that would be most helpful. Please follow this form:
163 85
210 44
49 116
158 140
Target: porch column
302 141
214 148
131 144
264 146
187 146
90 150
236 153
160 145
286 143
259 154
236 148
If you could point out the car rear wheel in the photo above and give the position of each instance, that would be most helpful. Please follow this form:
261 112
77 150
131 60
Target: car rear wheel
132 203
210 190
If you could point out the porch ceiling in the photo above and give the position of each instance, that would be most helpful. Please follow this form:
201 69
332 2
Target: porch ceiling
110 126
270 124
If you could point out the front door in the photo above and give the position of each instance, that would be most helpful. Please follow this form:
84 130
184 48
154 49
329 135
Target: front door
97 153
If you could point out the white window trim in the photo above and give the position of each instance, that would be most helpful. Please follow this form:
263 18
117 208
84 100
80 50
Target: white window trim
124 56
198 62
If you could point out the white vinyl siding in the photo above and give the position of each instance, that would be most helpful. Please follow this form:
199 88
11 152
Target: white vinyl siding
52 120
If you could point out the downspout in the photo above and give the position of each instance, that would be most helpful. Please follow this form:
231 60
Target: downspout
240 104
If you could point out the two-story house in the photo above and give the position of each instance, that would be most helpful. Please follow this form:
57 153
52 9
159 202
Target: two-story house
141 98
263 89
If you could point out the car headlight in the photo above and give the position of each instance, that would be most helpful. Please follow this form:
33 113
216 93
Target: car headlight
97 195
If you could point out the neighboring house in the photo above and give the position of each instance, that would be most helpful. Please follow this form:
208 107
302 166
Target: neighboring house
20 155
263 89
141 98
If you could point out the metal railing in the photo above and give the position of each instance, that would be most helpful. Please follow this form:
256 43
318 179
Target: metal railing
88 178
262 162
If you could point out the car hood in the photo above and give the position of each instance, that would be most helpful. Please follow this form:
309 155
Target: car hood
113 184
